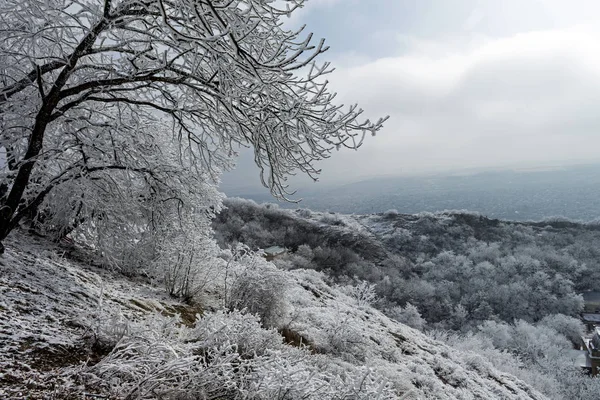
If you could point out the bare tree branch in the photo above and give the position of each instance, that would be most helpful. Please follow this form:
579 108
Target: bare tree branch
112 79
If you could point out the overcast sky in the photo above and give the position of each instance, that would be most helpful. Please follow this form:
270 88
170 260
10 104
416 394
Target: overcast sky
467 83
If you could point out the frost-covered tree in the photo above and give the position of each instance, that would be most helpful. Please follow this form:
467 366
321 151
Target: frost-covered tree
85 76
363 292
158 203
408 315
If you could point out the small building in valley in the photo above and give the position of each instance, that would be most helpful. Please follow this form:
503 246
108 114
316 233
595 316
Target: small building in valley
592 346
591 320
273 252
581 359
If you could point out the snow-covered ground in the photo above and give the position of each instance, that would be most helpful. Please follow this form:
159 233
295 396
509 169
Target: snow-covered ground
49 305
53 310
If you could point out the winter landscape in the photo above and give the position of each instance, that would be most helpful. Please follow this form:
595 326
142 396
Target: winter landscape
152 241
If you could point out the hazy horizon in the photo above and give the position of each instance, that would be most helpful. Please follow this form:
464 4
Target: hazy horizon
523 194
246 181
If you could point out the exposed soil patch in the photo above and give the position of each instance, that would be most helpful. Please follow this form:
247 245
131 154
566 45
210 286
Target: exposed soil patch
294 338
60 357
188 312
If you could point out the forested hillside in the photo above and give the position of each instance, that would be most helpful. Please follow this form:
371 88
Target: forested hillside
70 330
124 276
450 263
512 286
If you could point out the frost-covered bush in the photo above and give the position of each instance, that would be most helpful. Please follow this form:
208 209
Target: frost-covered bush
226 355
186 262
391 213
332 219
159 360
530 342
108 330
259 288
305 251
344 338
302 378
363 293
571 328
304 212
110 327
408 315
301 258
398 239
239 329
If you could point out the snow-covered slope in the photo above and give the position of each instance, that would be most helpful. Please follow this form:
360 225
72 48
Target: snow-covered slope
52 306
49 304
421 366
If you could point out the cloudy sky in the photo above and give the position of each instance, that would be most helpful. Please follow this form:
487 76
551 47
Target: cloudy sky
467 83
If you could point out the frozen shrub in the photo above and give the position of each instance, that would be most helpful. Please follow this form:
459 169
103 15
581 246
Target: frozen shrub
239 329
187 262
344 338
408 315
299 262
399 238
270 206
304 212
332 219
301 378
305 251
259 289
112 328
154 360
391 213
363 293
108 330
571 328
227 355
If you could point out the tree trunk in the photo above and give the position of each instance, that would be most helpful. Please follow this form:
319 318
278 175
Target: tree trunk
9 217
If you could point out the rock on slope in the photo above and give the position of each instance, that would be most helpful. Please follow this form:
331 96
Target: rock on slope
50 305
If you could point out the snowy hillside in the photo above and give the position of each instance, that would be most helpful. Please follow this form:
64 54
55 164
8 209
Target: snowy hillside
67 329
509 291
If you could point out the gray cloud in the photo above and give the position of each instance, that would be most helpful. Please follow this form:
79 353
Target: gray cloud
532 97
467 84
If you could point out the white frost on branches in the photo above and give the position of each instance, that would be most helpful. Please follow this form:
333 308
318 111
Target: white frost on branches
89 89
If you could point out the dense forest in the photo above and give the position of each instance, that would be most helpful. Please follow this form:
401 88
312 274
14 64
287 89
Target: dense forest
511 287
456 266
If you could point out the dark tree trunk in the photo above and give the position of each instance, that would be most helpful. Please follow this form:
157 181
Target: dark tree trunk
10 204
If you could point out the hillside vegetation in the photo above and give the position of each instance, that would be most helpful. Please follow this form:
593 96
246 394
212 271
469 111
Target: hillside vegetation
514 287
388 306
71 330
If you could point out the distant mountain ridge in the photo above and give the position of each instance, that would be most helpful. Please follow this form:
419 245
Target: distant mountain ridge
512 194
